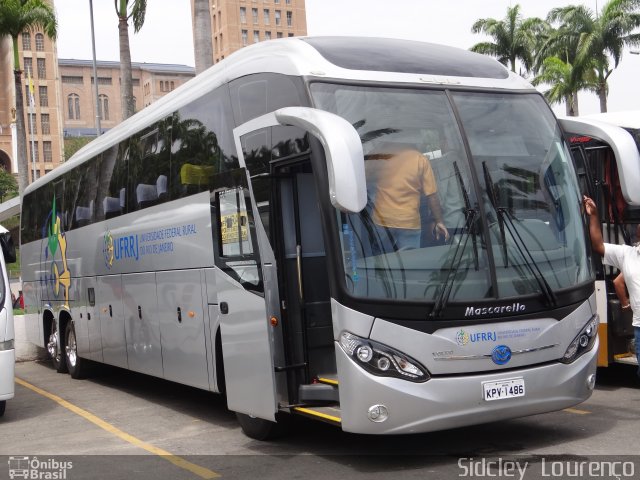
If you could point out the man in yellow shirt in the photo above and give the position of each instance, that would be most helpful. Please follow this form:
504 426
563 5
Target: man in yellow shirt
401 179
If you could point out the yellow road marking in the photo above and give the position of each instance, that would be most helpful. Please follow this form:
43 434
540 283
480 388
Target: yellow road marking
318 414
177 461
575 410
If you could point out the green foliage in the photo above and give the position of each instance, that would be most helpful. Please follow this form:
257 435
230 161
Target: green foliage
572 50
8 185
73 144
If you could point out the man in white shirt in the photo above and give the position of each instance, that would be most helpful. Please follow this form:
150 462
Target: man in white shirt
625 258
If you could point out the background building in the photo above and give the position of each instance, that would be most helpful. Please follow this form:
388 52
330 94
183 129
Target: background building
63 94
238 23
151 81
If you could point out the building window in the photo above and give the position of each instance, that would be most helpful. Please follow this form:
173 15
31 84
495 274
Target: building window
42 68
277 2
267 35
104 81
290 35
267 20
39 42
72 79
254 14
44 124
288 2
278 23
28 66
245 38
173 85
278 34
47 152
243 15
256 36
73 106
289 19
135 103
43 93
26 41
103 106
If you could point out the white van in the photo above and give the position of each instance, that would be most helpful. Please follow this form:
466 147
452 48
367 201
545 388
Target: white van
7 350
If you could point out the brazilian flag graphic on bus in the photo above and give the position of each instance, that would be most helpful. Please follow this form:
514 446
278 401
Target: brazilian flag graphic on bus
58 280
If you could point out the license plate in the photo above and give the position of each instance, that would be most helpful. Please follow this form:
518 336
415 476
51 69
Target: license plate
511 388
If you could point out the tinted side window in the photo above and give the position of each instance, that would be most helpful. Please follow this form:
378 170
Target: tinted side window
202 143
110 198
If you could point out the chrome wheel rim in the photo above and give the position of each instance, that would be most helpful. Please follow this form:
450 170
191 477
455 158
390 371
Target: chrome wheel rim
71 349
52 346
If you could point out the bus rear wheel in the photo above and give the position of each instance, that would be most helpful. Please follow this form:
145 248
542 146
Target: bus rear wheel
75 364
260 429
58 361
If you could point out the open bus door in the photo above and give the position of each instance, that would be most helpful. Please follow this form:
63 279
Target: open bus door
248 337
607 164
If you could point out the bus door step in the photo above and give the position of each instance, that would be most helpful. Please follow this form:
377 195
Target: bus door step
330 415
318 393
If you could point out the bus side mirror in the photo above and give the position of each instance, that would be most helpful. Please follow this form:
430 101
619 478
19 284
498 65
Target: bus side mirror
343 151
8 248
342 146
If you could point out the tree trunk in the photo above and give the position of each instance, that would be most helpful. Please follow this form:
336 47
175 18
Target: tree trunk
21 134
126 84
202 38
602 95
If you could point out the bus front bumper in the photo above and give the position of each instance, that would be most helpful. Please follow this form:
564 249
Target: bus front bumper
7 368
456 401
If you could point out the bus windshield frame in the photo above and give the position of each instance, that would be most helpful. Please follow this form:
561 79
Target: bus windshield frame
515 238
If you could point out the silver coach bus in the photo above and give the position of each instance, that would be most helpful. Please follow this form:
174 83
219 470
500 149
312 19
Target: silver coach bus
227 237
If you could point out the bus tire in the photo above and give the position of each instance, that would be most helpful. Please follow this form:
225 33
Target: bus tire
3 404
57 358
75 364
260 429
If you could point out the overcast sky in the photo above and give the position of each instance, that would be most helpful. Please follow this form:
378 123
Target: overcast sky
166 36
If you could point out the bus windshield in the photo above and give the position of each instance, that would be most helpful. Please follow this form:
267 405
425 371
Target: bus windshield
471 195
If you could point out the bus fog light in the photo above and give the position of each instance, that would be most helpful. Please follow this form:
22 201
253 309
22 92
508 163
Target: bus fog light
378 413
591 381
384 363
364 353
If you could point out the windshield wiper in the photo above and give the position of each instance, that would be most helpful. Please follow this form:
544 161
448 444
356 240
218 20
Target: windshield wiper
447 286
504 214
470 215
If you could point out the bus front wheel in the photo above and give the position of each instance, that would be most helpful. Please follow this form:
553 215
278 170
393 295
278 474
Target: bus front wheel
260 429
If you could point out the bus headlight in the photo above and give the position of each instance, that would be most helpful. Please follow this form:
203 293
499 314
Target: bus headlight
584 341
381 360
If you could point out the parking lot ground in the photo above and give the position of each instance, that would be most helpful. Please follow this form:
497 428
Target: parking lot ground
120 424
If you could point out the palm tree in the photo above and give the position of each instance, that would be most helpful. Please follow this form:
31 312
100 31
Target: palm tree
565 83
601 38
17 16
202 48
514 38
136 10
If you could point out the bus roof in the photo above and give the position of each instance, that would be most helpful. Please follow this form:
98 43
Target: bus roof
342 58
627 119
